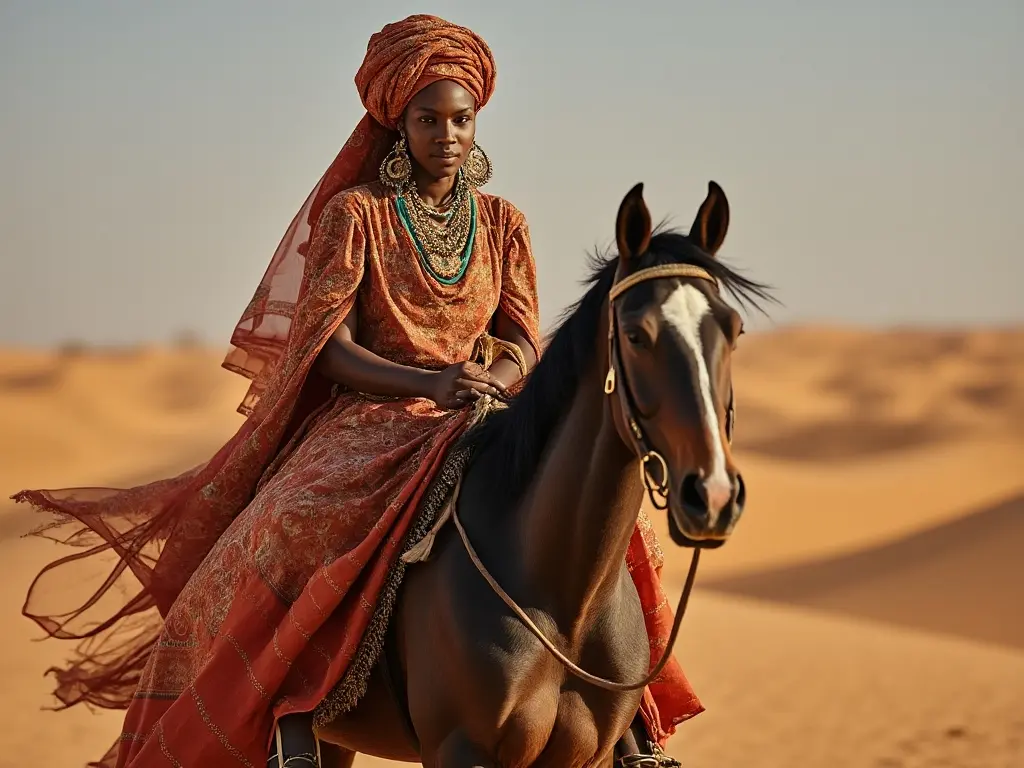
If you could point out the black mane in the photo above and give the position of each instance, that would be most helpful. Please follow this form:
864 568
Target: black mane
509 445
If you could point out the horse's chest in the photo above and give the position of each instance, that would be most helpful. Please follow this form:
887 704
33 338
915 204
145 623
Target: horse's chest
505 692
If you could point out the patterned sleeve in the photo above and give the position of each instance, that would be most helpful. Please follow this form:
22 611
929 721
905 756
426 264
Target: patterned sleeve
519 278
334 268
330 278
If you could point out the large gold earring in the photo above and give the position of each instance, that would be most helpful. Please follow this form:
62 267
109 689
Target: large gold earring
396 170
477 169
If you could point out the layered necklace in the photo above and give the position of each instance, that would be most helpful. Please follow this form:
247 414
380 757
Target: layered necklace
443 234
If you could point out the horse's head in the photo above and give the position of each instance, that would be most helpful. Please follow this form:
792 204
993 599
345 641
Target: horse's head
671 338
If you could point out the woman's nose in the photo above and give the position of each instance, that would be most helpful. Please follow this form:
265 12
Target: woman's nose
447 135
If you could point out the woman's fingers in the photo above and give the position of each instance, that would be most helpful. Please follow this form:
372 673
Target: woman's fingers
477 372
494 381
480 387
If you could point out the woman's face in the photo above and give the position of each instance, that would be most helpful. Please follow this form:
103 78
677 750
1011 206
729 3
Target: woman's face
440 126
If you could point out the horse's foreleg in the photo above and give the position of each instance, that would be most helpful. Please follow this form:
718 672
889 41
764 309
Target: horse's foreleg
457 751
333 756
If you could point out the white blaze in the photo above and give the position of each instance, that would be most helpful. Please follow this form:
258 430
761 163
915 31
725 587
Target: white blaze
684 311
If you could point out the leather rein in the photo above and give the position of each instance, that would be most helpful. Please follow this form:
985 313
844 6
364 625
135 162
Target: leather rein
657 489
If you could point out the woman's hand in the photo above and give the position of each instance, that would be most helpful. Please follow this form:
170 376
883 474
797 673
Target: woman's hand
461 384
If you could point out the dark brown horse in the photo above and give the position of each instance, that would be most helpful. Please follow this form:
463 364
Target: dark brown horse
637 377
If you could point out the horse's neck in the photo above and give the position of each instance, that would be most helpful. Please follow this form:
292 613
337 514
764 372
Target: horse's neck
581 510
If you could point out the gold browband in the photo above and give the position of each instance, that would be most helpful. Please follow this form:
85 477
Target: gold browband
653 273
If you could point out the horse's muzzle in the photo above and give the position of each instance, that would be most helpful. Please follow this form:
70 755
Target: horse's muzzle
698 518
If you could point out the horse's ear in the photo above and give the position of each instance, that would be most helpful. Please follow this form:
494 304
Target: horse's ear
712 221
633 225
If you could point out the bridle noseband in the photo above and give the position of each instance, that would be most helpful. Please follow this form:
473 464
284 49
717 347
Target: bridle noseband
645 452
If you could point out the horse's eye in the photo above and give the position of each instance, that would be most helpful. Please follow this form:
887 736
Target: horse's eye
635 338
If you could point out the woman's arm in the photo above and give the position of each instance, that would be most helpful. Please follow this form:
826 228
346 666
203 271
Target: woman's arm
344 361
505 369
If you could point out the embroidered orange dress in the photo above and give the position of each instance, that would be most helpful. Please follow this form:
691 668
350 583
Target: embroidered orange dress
276 611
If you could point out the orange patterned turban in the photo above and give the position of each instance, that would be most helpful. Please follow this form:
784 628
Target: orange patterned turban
407 56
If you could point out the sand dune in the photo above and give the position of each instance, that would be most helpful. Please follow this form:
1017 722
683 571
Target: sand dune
802 511
962 383
786 687
111 417
965 577
866 612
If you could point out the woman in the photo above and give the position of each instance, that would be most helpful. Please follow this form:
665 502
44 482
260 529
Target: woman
263 564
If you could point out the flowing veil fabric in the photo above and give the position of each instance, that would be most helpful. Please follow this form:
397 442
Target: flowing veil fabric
261 333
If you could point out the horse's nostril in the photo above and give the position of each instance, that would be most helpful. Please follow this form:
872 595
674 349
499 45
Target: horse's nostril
693 495
740 496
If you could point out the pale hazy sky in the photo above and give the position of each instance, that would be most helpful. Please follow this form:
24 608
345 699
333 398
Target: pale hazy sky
153 153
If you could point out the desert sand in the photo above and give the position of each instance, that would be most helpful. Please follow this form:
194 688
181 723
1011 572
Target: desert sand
869 610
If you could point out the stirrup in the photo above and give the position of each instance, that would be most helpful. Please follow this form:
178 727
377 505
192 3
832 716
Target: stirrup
655 758
302 760
639 761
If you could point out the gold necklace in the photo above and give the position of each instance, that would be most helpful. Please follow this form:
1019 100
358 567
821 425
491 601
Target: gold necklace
442 237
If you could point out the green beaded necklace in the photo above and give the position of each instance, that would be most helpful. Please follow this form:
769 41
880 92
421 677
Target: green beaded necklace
403 214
